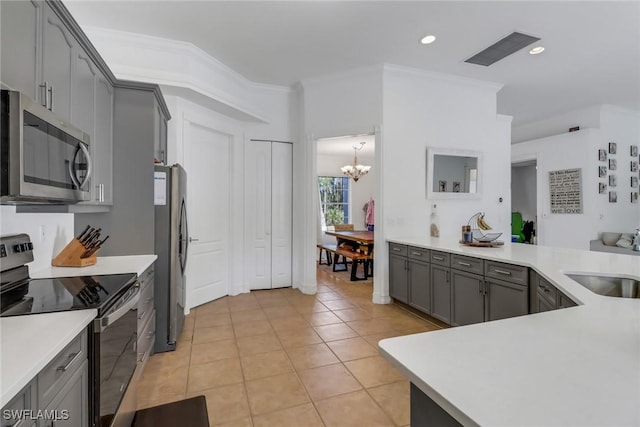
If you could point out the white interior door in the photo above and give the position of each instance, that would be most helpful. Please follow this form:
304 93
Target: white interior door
257 219
207 162
281 213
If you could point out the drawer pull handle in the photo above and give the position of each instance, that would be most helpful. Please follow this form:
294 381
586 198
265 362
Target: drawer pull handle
72 358
506 273
466 264
438 258
397 249
416 253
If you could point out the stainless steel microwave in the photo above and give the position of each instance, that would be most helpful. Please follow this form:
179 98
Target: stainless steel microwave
43 159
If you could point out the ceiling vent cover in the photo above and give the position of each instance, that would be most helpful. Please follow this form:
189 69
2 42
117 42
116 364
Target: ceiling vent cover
503 48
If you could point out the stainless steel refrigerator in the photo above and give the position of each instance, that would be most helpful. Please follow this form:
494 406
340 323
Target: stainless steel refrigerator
171 245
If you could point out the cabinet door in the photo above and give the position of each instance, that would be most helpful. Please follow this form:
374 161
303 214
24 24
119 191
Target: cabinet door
20 47
441 293
505 299
420 286
398 281
543 304
564 301
102 143
57 63
71 405
468 298
160 135
83 96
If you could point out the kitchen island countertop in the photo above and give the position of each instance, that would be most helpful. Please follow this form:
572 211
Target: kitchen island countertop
572 367
30 342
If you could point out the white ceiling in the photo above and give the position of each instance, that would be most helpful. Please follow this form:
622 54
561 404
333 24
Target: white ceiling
592 51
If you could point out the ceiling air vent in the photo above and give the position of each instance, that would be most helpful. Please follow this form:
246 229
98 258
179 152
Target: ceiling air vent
501 49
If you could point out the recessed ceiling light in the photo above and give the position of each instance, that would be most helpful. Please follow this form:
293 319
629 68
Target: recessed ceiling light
428 39
536 50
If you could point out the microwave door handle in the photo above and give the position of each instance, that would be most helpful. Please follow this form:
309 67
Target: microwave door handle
89 166
72 172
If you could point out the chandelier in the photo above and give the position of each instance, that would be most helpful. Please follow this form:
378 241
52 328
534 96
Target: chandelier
355 171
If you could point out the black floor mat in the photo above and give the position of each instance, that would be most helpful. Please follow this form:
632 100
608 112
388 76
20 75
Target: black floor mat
189 412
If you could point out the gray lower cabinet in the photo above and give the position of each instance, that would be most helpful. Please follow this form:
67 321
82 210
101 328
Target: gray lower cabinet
468 298
146 317
505 299
546 297
420 285
58 395
398 279
440 292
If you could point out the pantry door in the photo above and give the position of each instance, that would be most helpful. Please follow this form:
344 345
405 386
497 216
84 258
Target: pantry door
207 162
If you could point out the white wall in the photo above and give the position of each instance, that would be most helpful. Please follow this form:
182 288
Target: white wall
329 165
524 191
58 228
585 118
580 150
430 110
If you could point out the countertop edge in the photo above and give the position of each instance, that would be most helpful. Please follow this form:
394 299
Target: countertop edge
106 265
77 321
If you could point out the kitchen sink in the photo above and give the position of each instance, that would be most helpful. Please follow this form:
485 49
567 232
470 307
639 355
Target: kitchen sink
611 286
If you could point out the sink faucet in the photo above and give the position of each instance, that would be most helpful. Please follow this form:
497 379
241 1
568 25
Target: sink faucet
636 240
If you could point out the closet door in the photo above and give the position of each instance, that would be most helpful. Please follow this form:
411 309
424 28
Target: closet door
257 220
281 213
268 214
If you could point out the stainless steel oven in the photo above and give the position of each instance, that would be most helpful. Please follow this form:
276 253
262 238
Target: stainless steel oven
112 335
43 158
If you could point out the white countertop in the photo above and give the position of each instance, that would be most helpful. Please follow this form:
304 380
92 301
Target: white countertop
105 265
28 343
576 366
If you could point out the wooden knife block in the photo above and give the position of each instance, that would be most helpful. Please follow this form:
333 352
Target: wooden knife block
70 256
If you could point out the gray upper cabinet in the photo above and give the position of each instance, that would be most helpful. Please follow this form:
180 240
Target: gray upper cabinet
83 98
160 136
58 47
102 147
19 35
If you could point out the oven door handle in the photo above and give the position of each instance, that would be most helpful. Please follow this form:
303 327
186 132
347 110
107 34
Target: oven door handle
102 323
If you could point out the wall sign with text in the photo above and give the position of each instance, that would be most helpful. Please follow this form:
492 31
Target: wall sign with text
565 190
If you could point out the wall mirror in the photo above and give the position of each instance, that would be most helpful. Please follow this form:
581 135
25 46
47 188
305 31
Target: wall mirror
453 174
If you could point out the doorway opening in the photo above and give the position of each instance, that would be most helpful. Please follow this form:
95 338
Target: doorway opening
343 203
524 202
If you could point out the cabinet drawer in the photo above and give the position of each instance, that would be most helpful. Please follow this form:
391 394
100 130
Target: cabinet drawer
53 377
440 258
146 339
509 272
146 278
397 249
145 307
419 253
547 291
467 263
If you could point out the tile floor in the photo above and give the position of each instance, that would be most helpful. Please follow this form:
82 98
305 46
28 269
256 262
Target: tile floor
282 358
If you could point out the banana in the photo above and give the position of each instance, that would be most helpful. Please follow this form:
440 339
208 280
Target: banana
482 223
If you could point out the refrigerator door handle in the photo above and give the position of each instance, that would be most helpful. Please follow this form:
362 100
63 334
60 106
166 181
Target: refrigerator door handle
185 239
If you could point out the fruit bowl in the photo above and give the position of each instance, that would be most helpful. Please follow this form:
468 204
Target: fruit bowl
479 236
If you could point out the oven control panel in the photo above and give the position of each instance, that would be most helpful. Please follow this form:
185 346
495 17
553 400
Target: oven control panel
15 250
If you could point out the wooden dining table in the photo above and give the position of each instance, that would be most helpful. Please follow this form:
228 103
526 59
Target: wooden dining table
355 239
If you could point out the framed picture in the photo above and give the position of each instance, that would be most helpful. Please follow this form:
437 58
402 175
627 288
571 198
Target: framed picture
613 165
633 151
634 197
613 148
456 187
613 197
613 181
602 187
602 155
602 171
634 166
442 186
634 182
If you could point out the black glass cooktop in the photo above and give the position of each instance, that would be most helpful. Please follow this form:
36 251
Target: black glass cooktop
63 294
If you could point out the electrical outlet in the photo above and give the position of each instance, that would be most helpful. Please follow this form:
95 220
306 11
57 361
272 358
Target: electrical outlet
43 233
